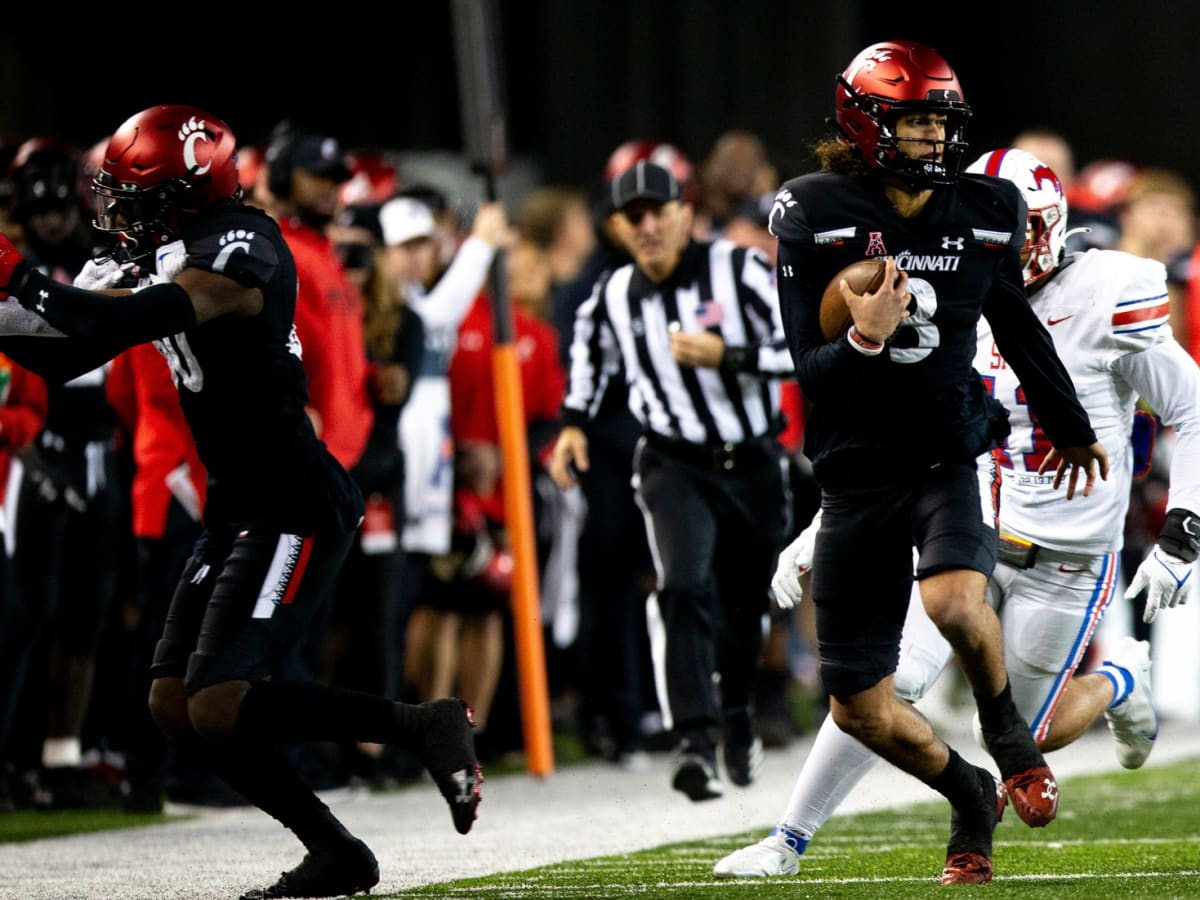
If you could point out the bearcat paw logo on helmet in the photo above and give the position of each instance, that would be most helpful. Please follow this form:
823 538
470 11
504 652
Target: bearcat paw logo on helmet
191 132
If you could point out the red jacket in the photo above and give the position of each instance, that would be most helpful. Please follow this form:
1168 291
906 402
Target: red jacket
22 412
329 323
1190 340
472 385
142 392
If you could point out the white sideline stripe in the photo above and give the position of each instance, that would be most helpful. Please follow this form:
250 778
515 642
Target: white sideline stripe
604 889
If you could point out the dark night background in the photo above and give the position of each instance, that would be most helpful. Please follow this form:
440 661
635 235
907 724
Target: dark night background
1118 79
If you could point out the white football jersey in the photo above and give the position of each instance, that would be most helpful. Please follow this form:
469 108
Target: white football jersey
1107 314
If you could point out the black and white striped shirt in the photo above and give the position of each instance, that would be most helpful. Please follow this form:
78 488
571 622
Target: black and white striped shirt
626 325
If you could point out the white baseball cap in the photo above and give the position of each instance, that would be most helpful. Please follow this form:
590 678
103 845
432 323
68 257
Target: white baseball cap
404 219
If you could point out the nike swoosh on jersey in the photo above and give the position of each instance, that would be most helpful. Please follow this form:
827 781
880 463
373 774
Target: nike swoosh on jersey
1067 571
1063 319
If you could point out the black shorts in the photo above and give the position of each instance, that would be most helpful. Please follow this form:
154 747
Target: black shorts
245 598
863 565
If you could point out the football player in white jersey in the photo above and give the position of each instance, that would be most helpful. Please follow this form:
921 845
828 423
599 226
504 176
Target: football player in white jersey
1058 564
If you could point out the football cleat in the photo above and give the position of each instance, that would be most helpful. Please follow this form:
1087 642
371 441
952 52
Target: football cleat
773 855
969 850
1133 722
447 750
696 776
743 762
1034 795
967 868
1030 783
331 874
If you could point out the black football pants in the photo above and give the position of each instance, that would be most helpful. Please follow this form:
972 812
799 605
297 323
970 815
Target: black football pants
715 537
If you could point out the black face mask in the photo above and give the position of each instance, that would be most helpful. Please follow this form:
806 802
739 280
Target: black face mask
356 256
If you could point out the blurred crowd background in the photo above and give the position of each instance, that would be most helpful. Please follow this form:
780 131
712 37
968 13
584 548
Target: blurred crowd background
394 239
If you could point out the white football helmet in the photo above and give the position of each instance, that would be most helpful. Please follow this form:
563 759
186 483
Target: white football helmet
1046 228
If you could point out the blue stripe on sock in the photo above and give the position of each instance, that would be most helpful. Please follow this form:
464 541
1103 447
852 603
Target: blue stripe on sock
1121 678
791 838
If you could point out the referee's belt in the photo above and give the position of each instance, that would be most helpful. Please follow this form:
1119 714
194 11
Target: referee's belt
724 457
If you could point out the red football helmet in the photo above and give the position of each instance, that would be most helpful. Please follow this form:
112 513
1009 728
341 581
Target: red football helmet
373 179
163 167
660 153
895 78
42 176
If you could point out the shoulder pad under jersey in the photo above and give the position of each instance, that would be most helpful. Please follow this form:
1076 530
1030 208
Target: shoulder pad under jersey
240 247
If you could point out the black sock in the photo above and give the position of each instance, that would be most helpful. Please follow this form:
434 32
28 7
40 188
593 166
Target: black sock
282 712
958 782
998 715
267 780
1006 734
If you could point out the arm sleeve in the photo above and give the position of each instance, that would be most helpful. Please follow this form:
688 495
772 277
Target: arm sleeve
450 300
121 320
1027 347
1168 379
57 360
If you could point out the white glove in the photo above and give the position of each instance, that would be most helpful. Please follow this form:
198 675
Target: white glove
1167 580
170 259
794 561
100 274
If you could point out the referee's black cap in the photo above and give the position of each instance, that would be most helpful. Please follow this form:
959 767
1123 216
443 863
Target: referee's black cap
644 181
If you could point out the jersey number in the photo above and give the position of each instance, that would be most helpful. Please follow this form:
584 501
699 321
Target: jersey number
184 365
921 321
1032 459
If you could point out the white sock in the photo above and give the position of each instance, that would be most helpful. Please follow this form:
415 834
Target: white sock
59 752
836 763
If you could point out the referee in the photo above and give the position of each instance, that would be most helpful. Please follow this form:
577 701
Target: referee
695 327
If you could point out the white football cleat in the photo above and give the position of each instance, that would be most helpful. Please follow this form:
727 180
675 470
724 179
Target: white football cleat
1133 722
773 855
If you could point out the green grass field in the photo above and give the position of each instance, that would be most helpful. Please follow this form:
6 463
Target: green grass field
1122 835
1128 834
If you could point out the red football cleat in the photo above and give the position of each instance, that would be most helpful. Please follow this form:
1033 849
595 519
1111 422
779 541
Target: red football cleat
967 868
1034 795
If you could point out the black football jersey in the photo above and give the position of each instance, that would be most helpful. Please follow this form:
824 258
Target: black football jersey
243 389
920 401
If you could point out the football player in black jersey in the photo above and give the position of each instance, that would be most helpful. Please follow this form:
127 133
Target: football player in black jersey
218 299
899 415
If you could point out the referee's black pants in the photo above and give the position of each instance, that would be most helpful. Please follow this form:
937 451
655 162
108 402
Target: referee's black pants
715 534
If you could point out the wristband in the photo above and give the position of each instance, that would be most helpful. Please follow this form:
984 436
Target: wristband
863 345
1180 535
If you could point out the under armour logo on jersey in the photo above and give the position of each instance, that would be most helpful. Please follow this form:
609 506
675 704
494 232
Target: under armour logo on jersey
949 242
875 244
43 296
230 242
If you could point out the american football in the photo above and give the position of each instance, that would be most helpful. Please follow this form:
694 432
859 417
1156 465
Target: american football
863 277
